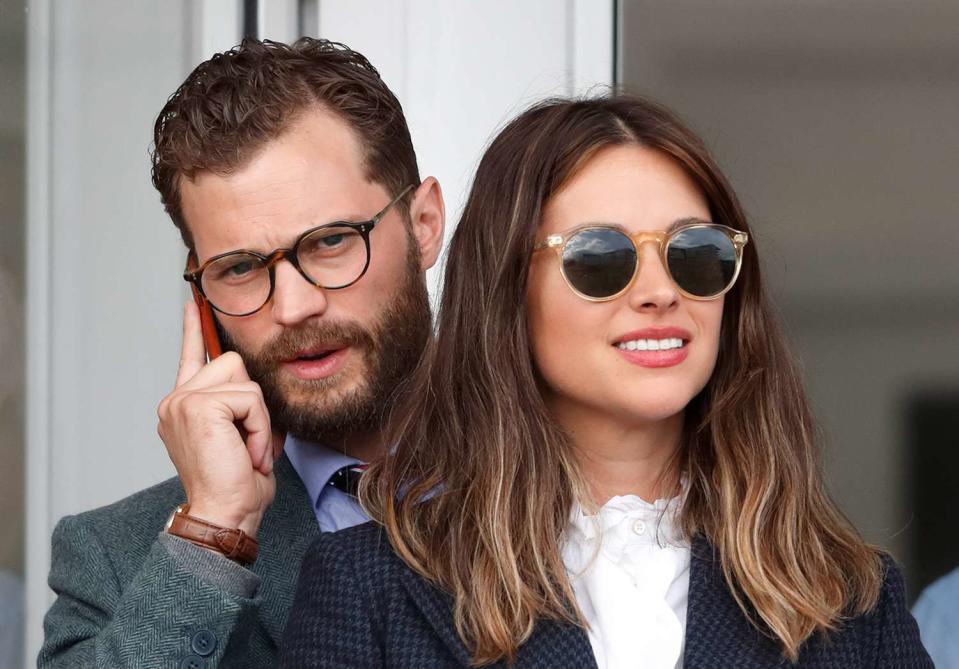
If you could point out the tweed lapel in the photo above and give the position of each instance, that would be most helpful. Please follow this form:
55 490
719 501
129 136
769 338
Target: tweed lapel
718 634
288 528
551 644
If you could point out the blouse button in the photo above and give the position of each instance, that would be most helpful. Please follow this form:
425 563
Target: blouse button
639 527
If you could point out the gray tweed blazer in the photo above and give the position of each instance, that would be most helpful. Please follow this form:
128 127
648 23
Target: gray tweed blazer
358 606
129 597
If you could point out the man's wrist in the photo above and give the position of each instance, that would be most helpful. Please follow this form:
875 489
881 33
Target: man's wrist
248 522
231 542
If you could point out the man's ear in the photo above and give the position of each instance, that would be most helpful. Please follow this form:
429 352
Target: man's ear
428 219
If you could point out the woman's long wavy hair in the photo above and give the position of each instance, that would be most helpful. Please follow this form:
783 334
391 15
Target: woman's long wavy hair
476 441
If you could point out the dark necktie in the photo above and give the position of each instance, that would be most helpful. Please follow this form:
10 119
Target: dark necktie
347 479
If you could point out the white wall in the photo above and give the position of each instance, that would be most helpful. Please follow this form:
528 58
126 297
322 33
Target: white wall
104 262
462 68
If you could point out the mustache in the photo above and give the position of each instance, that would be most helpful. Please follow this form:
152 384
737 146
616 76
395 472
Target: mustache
293 340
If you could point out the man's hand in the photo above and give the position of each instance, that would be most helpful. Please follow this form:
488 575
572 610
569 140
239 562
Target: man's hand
216 428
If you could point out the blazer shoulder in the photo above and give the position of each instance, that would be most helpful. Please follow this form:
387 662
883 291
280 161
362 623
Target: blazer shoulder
890 600
366 545
154 502
893 632
893 590
128 526
362 554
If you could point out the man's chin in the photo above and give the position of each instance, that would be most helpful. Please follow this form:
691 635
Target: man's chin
326 419
321 397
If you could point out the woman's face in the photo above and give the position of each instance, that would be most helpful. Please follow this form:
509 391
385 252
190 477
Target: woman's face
576 343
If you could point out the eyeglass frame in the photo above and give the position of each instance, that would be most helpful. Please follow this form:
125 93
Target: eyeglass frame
557 242
364 228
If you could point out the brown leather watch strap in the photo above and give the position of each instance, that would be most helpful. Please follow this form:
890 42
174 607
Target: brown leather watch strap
233 543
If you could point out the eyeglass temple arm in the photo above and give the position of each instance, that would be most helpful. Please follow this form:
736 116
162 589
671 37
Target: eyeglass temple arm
382 212
189 272
552 241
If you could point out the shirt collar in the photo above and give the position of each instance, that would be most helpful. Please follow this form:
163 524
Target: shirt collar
315 463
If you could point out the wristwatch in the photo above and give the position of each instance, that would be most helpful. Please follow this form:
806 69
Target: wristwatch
233 543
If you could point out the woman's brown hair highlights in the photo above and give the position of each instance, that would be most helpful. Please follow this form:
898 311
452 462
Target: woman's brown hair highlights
476 442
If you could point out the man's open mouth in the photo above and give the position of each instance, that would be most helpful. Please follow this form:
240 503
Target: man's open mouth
315 354
317 362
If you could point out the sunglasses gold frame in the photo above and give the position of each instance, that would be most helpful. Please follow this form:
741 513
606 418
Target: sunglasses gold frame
558 243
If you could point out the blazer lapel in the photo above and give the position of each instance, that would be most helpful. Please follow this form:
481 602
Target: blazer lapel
551 644
288 528
718 634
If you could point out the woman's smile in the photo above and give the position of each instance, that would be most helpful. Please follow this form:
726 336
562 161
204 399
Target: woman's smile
655 347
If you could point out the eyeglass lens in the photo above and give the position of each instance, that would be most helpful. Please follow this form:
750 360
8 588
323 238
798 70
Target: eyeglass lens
333 256
701 260
599 262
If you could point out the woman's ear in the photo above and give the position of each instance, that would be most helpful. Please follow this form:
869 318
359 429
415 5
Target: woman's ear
428 220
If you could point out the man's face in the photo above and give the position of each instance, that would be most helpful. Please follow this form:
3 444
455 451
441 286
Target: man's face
328 360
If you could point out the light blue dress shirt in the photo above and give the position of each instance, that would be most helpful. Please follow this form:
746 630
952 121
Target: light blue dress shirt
315 464
937 612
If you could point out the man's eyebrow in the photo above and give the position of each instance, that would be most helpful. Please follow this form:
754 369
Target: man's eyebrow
692 220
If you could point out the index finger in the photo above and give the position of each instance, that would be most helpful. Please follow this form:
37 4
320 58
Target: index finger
192 351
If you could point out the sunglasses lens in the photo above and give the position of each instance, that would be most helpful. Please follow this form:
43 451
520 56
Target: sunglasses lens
702 261
599 262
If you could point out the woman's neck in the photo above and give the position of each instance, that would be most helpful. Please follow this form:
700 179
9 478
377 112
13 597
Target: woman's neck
617 457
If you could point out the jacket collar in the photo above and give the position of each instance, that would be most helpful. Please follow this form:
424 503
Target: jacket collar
288 528
561 646
717 632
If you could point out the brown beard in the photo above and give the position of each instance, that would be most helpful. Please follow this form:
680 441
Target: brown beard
320 410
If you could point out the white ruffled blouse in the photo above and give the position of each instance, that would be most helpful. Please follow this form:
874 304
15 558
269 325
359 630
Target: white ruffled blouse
629 568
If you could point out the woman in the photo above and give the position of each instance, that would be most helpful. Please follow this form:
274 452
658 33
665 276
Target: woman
607 458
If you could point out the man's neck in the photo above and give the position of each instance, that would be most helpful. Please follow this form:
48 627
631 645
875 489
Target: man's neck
365 446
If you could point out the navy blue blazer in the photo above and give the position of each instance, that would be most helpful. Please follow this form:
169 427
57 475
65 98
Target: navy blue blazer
359 606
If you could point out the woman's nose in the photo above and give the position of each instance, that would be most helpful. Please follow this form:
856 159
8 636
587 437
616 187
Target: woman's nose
653 289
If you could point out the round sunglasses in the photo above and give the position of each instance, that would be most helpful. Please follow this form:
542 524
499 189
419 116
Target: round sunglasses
600 262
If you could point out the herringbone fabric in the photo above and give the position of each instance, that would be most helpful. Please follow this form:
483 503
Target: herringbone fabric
359 607
124 601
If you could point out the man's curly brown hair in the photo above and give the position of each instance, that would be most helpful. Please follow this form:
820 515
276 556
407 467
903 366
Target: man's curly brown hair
237 101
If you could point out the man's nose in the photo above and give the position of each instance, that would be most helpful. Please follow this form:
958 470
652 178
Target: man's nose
294 298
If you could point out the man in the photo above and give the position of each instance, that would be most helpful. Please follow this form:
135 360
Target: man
302 149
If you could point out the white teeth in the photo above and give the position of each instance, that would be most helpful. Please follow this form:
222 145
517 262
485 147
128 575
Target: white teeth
650 344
